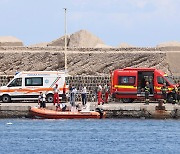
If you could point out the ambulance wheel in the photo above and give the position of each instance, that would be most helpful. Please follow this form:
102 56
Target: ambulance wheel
127 100
6 98
50 98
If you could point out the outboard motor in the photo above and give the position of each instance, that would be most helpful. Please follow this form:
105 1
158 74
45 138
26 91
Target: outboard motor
100 112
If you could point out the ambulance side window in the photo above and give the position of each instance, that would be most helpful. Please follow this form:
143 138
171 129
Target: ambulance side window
16 83
126 80
34 81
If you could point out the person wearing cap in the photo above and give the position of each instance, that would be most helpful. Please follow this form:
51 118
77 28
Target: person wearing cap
56 94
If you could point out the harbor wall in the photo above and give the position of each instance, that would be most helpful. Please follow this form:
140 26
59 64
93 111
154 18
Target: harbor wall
14 111
130 111
87 61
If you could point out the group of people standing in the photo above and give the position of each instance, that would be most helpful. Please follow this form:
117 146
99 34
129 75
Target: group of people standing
56 100
72 95
102 95
174 97
100 91
175 94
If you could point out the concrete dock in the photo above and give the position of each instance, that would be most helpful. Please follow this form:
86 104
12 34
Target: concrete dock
113 110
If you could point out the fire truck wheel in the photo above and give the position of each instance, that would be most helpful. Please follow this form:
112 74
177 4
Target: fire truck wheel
6 98
50 98
127 100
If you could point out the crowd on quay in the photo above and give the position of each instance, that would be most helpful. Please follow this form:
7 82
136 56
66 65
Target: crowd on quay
174 98
101 96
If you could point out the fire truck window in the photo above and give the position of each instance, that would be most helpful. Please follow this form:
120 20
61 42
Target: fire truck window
34 81
126 80
16 83
160 80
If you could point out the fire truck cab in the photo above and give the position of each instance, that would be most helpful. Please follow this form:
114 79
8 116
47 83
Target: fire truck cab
128 83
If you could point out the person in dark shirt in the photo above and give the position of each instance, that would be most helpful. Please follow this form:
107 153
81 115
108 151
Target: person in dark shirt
175 95
147 92
164 90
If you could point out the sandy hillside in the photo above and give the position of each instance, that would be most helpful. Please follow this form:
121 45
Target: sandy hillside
124 45
10 41
78 39
169 44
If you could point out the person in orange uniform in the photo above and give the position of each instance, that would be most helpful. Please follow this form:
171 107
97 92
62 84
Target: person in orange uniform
100 100
56 94
106 90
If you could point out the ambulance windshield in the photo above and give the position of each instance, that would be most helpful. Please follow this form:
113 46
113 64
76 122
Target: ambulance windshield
16 83
170 79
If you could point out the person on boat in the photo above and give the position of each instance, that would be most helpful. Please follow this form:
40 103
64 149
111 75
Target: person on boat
84 95
42 100
63 107
56 94
100 100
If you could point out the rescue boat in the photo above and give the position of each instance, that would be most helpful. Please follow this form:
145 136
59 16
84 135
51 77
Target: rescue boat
52 114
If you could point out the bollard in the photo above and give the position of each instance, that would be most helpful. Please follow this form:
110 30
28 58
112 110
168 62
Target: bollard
160 105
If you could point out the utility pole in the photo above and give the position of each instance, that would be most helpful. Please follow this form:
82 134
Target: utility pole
65 41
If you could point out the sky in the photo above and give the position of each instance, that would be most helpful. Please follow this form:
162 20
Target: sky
143 23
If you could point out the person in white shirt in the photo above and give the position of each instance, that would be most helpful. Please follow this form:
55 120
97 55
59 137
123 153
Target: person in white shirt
42 100
84 95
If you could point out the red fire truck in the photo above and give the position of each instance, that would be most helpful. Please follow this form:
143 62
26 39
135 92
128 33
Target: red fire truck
128 83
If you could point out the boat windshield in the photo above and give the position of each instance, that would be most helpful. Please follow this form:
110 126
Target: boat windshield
170 80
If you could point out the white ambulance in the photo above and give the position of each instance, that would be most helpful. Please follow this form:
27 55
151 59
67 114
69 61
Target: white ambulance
28 85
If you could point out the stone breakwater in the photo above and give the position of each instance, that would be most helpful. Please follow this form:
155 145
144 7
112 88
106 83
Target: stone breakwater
14 111
87 61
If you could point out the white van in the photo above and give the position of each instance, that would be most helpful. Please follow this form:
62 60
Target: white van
28 85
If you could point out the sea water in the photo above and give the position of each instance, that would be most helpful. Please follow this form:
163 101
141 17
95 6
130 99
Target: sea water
112 136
